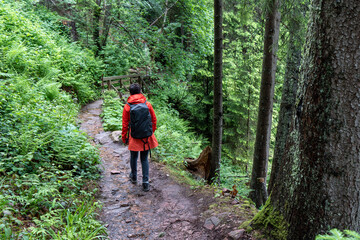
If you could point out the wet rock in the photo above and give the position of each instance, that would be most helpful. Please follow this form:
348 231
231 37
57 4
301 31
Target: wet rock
236 234
223 215
115 136
209 224
103 138
135 235
116 211
119 151
125 204
215 221
114 191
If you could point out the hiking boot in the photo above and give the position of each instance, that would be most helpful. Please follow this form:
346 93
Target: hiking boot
133 179
146 187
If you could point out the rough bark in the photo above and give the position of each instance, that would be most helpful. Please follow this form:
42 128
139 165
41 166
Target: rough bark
201 165
263 130
321 188
96 25
218 109
107 22
288 98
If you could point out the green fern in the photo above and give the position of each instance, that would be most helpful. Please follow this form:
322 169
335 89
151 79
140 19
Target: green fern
336 234
353 234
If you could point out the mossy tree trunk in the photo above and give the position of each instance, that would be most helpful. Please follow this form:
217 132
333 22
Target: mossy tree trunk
288 98
320 188
263 130
218 101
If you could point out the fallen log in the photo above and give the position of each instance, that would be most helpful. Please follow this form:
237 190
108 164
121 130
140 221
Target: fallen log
201 166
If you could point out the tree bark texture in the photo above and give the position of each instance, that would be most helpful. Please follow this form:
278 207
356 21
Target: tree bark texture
288 98
218 108
320 187
96 25
263 130
200 166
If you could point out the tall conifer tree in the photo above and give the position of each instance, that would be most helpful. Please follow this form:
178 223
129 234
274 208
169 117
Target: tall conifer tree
263 131
218 108
317 187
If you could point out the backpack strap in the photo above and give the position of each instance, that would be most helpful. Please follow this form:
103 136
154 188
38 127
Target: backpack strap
147 142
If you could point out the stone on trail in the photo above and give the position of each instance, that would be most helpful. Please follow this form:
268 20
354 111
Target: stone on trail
215 221
135 235
236 234
209 224
115 172
115 136
103 138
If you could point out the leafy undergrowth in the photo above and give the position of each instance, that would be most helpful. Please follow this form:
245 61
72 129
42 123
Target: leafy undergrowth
112 111
47 165
336 234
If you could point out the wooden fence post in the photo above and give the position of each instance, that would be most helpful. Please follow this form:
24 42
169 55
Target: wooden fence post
120 82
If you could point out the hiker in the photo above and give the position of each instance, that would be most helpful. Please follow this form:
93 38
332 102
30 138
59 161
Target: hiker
138 132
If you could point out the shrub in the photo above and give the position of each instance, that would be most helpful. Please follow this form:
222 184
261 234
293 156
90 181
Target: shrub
46 162
112 111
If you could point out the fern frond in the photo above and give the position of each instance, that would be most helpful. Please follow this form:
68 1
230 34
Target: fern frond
353 234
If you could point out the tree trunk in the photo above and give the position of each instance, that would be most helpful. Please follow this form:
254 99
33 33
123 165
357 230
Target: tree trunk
96 24
165 15
248 133
288 98
320 188
218 109
263 130
200 166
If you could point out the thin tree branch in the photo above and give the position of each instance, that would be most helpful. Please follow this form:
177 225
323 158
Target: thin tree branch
166 10
131 36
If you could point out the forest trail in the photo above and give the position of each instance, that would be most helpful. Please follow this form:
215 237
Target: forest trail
168 211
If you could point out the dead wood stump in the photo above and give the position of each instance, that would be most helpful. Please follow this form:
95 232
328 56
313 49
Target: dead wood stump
200 166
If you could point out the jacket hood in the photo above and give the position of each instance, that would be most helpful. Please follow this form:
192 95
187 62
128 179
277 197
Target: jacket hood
136 98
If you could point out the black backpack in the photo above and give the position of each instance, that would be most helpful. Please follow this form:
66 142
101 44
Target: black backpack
140 121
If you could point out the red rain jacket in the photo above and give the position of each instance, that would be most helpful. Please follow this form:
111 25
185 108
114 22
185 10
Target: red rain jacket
137 144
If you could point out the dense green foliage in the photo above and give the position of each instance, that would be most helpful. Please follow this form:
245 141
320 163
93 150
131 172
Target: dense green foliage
44 77
175 42
45 161
336 234
112 111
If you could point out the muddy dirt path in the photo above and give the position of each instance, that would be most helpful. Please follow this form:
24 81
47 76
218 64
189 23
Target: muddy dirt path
168 211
